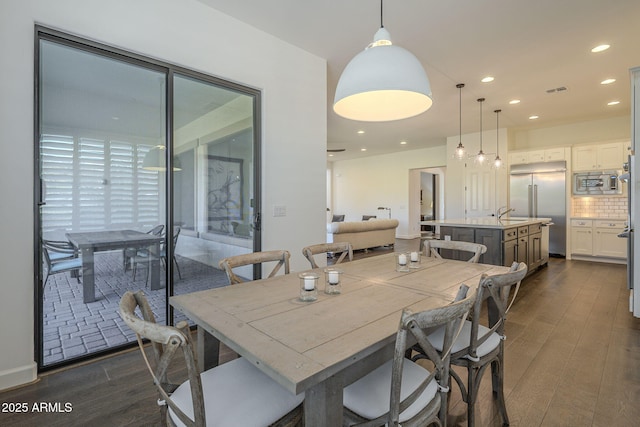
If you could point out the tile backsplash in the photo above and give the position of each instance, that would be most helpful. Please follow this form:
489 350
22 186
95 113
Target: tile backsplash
599 207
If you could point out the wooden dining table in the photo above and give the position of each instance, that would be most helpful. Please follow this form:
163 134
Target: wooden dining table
320 347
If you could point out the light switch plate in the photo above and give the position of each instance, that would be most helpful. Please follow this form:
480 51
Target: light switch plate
279 210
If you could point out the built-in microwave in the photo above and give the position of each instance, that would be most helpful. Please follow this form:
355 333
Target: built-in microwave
596 183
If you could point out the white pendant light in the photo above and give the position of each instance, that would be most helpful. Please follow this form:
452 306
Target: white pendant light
156 160
480 157
382 83
497 162
460 151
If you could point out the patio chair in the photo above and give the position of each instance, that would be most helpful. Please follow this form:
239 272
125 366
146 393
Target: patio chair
60 257
279 256
344 249
142 256
401 392
129 253
433 248
479 346
234 393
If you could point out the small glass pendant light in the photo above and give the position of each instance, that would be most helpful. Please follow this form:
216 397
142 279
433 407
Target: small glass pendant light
497 162
460 151
480 157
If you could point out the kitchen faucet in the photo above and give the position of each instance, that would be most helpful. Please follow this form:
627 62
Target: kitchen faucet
501 214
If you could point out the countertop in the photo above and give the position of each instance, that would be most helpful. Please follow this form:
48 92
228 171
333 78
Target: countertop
487 222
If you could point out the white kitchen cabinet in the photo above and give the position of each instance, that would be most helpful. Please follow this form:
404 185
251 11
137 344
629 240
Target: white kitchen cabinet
611 156
599 157
554 154
598 238
536 156
606 241
582 237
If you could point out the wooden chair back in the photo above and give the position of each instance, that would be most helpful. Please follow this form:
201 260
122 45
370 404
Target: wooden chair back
281 257
495 290
344 249
166 342
415 327
433 247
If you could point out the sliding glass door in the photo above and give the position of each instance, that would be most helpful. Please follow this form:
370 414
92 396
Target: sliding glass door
213 199
147 178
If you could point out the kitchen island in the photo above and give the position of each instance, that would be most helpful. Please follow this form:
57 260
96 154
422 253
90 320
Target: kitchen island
508 240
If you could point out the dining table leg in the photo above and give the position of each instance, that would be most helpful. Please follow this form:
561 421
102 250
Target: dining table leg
207 350
88 279
154 266
323 403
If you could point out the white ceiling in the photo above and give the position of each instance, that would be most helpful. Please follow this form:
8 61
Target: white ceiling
529 46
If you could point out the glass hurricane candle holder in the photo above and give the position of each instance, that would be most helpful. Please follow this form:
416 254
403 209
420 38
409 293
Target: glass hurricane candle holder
414 259
402 261
333 281
308 286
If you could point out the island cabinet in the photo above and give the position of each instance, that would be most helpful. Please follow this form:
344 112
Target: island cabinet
504 245
490 237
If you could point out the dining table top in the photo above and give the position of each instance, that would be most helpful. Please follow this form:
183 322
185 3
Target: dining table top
301 344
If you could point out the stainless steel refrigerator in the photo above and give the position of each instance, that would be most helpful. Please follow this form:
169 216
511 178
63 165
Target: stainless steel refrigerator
538 190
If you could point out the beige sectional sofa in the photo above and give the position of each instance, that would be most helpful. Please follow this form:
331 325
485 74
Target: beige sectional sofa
363 234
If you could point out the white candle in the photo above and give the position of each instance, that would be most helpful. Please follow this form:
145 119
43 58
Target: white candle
402 259
309 283
334 277
414 256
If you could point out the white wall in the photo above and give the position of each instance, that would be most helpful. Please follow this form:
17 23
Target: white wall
293 83
569 134
360 186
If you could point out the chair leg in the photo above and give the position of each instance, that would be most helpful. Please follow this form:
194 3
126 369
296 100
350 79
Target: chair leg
497 381
474 374
175 261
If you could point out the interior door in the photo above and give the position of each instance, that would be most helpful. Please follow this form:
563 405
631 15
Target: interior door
480 190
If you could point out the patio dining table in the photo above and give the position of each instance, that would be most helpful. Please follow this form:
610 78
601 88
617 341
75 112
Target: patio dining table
88 243
322 346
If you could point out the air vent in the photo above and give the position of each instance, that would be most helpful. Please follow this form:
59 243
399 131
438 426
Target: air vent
557 89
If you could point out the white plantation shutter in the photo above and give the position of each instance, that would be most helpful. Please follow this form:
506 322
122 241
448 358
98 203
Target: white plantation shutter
92 184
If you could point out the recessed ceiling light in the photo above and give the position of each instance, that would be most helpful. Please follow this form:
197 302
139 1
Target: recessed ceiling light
360 131
330 155
607 81
363 149
514 101
115 118
613 103
487 79
534 117
600 48
403 142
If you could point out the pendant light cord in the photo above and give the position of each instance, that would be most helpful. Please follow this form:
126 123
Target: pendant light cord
497 127
460 86
381 23
480 100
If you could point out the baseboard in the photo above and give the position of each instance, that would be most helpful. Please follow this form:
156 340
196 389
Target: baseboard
18 376
597 259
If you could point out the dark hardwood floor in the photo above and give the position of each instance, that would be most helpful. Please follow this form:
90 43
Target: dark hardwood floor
572 359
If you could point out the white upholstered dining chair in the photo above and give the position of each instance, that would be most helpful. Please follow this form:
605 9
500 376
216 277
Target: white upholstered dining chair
401 392
479 346
235 393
